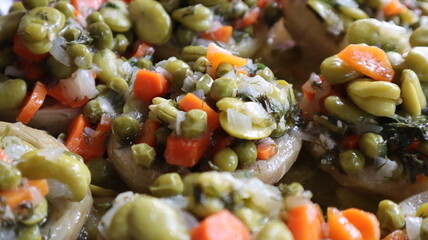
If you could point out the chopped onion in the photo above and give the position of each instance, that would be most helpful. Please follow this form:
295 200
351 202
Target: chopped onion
79 85
200 94
58 189
255 86
164 72
50 154
190 81
14 72
58 51
296 201
255 110
238 120
413 227
180 118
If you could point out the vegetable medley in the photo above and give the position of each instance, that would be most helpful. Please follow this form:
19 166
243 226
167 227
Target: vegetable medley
168 126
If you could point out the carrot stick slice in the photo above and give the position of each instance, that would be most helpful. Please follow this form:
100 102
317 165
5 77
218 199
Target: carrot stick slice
365 222
33 103
340 227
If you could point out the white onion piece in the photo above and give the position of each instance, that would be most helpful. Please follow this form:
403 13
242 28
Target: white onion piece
58 190
238 120
199 93
180 118
411 204
14 148
14 72
79 85
413 227
296 201
163 72
50 154
58 51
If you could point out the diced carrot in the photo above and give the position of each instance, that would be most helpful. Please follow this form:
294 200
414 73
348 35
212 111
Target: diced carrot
148 133
57 92
249 19
222 142
413 146
217 55
184 151
33 103
265 151
305 222
76 140
393 7
191 101
369 60
32 70
308 95
221 34
351 141
221 226
19 195
420 178
4 157
149 85
396 235
340 227
20 50
95 146
143 49
365 222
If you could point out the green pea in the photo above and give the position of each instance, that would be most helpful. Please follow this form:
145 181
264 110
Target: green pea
239 9
148 212
246 152
390 216
194 123
417 60
10 177
143 154
95 108
164 110
204 83
101 172
13 92
424 229
94 18
292 189
335 71
223 87
66 8
39 213
192 53
30 233
167 185
206 207
144 63
373 145
148 15
223 69
10 24
201 64
422 211
250 3
30 4
121 43
352 161
266 73
39 27
418 37
170 5
388 36
184 35
275 230
116 15
118 85
66 169
102 35
80 55
16 6
226 159
250 217
196 17
71 34
344 110
125 127
58 69
179 70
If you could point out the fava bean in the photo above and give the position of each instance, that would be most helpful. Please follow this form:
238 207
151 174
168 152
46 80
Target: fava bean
192 53
390 216
102 35
342 109
275 230
148 15
196 17
417 60
184 35
66 8
13 92
422 210
39 164
373 145
10 176
352 161
30 233
335 71
223 69
116 15
204 83
164 110
418 37
94 18
80 56
143 154
30 4
414 99
194 123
